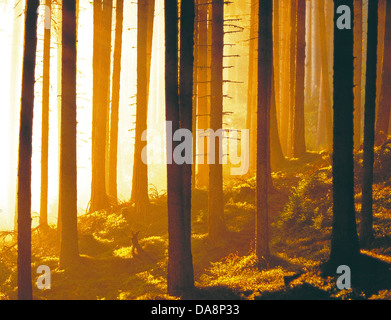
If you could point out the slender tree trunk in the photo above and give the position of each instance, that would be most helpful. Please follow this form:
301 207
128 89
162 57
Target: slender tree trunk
180 269
140 167
216 202
299 147
15 110
252 87
43 217
99 199
292 74
358 7
265 63
308 61
115 98
344 241
380 47
203 108
68 159
383 114
325 74
25 152
366 223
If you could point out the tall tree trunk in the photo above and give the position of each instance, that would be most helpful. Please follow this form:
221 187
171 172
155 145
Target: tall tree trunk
68 159
265 63
358 7
380 47
308 61
140 168
216 201
203 108
292 74
25 153
383 114
115 98
344 240
252 87
366 223
43 216
99 199
180 269
299 147
325 74
15 110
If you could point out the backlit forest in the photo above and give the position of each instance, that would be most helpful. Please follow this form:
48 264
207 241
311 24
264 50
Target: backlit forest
195 149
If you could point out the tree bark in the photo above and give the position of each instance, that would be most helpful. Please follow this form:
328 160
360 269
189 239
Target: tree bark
180 269
358 7
344 240
384 111
69 251
43 216
299 147
140 167
115 98
25 153
265 63
215 201
366 223
99 199
203 108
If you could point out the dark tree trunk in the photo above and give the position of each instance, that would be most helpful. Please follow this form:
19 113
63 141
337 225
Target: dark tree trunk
43 216
25 153
180 277
344 241
383 114
68 159
115 97
216 202
265 63
366 223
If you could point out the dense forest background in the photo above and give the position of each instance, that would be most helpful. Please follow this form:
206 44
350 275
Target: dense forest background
98 98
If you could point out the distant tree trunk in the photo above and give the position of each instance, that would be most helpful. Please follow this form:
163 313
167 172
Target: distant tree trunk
308 61
99 199
383 114
265 63
299 147
203 92
68 159
380 47
366 224
15 110
285 74
325 74
180 268
25 152
315 50
115 98
140 167
252 87
292 74
43 216
344 240
216 202
358 7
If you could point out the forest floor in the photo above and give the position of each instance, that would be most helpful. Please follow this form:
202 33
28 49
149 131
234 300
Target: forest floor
300 214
